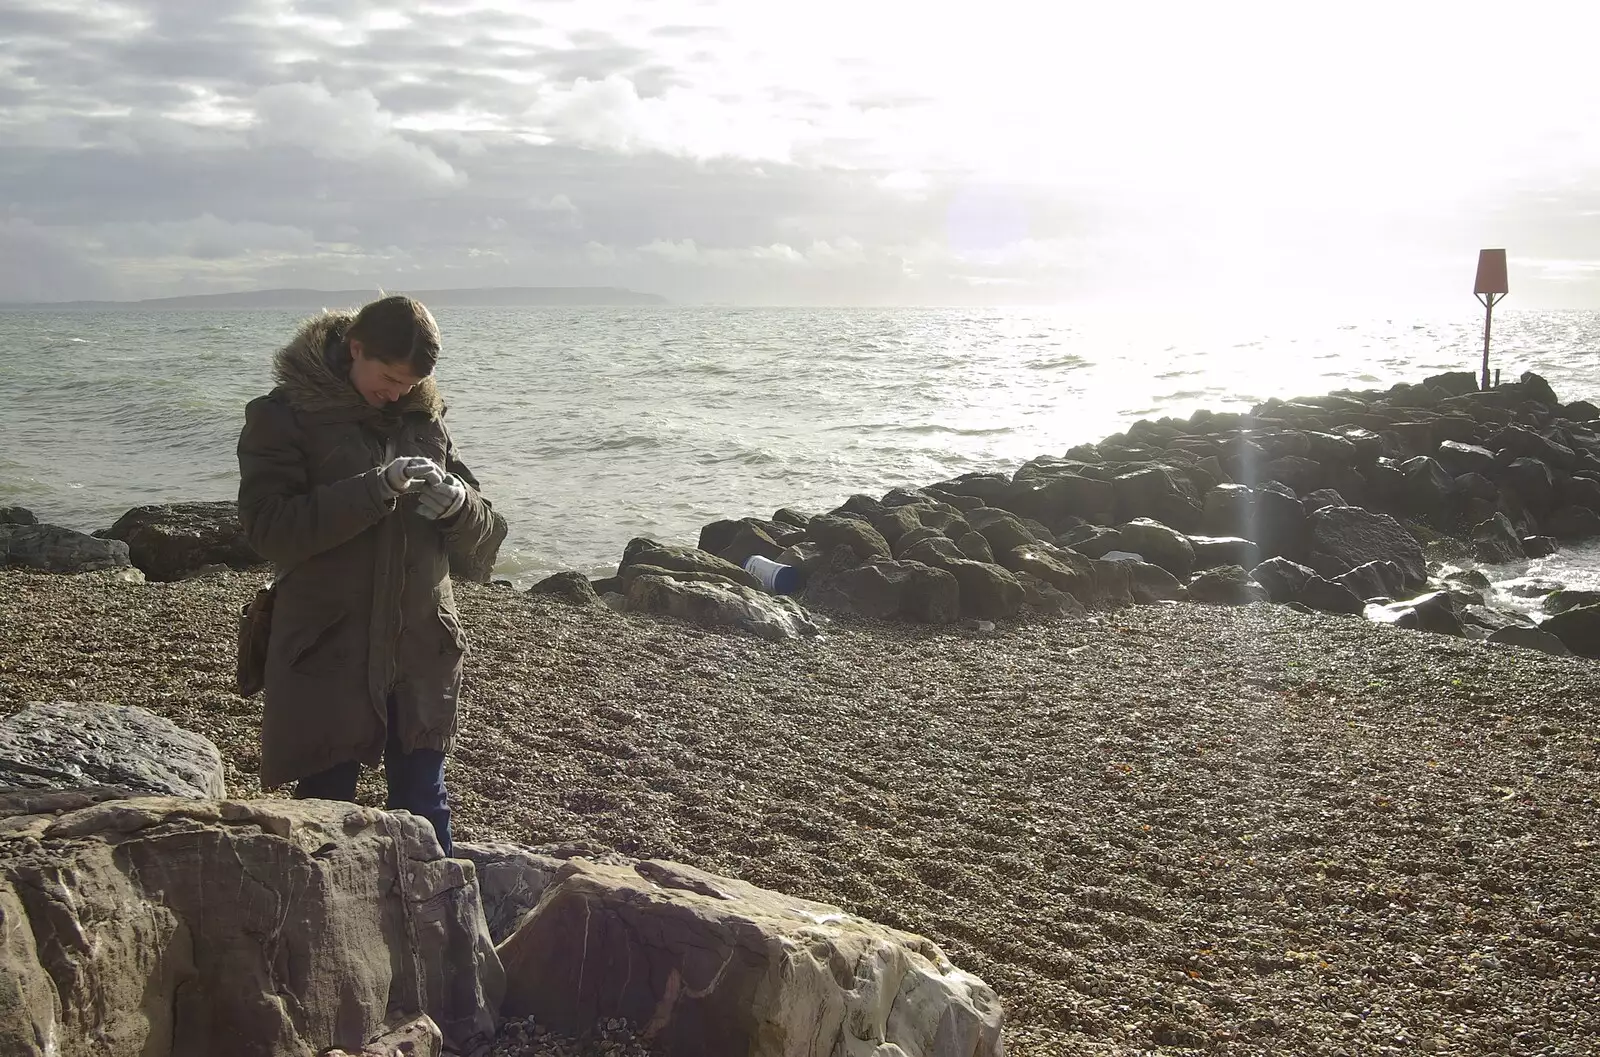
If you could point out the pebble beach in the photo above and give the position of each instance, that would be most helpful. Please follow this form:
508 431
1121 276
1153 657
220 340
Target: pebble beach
1233 830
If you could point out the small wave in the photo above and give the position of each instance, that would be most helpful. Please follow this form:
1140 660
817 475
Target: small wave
1059 363
930 429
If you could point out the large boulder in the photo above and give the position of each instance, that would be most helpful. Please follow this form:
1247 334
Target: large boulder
884 590
1495 542
1211 551
1150 584
171 541
1530 639
712 965
66 744
1287 581
1229 511
988 592
1003 529
1375 579
52 549
571 587
719 605
16 515
1159 544
173 926
1573 523
1226 585
829 531
1533 483
1156 492
677 559
1278 524
749 539
1458 458
1578 628
1344 537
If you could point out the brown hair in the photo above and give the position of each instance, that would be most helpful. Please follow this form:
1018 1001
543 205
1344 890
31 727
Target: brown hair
398 329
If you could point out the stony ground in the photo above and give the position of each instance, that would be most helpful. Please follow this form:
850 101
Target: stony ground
1242 831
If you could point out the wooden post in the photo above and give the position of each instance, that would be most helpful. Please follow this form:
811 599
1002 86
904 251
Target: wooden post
1490 287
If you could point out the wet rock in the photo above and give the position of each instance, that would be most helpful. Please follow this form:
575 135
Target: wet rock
1540 546
719 605
1281 578
1159 544
1054 500
990 488
677 559
1229 511
64 744
1155 493
1514 442
1578 629
934 550
1322 497
52 549
975 546
1279 525
1433 612
988 592
1346 537
1226 585
1530 639
916 517
571 587
1573 523
750 539
1570 598
1428 488
1046 599
170 541
1495 542
16 515
727 943
829 532
1533 483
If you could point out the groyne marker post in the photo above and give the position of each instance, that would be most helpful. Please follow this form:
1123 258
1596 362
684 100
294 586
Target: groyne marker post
1490 288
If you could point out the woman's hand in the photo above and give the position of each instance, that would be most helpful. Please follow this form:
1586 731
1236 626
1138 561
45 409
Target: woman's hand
410 473
442 499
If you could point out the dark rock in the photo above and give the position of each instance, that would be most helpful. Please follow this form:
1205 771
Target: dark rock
988 592
676 559
1376 579
1281 578
885 590
1330 450
1279 525
632 572
975 546
1329 597
1576 491
865 507
1570 598
1514 442
937 551
904 543
1066 571
1300 473
64 745
1428 488
1453 383
991 488
1052 501
1580 411
1229 511
1573 523
804 555
788 516
16 515
1345 537
1470 486
1150 584
715 537
1488 618
1227 585
750 540
1320 498
1368 445
52 549
867 542
1159 544
962 503
1100 544
1001 528
1040 595
909 517
1539 546
1533 483
1155 493
1458 458
1038 530
1495 542
569 587
1211 551
1433 612
1578 629
1530 639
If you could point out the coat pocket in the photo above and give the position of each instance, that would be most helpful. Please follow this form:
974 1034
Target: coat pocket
455 637
311 650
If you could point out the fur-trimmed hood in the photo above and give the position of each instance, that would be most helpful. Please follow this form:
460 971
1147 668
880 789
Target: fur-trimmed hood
313 370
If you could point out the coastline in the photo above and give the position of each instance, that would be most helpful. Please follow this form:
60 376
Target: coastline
1247 828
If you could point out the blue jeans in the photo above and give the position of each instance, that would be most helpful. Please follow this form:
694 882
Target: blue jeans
415 779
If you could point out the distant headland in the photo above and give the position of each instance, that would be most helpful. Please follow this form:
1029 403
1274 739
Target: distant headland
479 297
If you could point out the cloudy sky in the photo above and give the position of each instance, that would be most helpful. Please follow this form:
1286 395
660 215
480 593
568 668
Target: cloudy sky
835 151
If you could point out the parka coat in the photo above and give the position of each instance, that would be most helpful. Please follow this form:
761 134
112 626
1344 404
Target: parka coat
364 609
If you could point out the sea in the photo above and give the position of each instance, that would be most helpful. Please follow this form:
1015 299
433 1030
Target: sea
591 426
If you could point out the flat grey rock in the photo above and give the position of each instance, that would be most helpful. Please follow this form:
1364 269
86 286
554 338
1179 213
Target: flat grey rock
67 744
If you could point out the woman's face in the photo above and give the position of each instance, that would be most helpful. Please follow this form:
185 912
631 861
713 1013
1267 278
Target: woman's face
379 383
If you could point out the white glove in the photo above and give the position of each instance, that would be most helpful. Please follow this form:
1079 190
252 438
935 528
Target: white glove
443 499
411 472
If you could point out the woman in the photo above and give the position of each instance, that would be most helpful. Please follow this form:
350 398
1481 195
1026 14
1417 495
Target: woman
349 484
